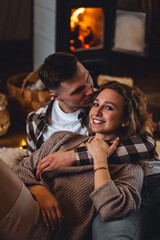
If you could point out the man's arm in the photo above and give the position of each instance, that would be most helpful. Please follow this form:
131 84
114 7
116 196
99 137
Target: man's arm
135 149
34 127
31 146
132 149
77 156
139 148
56 159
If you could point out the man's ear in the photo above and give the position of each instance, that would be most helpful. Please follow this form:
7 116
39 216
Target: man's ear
54 96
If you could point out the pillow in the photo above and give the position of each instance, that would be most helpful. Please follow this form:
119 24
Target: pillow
12 156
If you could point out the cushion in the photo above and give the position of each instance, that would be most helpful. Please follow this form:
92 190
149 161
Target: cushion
12 156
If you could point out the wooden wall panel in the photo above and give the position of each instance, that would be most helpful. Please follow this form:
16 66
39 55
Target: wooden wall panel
3 18
15 20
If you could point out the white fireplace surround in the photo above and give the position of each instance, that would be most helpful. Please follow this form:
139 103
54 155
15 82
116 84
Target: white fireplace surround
44 30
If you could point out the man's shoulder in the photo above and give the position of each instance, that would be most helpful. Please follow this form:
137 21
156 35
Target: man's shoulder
40 113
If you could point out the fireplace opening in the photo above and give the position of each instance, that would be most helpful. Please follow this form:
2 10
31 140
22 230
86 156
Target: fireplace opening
86 28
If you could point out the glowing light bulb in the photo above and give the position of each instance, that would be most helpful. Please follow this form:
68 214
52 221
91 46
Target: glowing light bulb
23 144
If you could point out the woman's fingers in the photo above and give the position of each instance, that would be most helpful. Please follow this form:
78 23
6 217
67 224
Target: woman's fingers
114 145
98 144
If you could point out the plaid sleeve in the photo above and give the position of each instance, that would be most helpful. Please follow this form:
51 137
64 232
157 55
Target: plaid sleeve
83 156
134 150
31 146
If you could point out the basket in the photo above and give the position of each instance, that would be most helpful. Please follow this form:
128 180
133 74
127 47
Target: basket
4 115
24 100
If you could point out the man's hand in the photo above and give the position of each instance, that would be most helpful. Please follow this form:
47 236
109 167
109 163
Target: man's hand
49 206
54 160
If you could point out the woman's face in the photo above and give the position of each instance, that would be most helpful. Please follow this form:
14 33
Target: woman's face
106 115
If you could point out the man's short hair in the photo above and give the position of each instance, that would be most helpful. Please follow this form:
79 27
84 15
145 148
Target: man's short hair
57 68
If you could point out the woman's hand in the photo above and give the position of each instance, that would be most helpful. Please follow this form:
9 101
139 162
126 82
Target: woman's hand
100 151
99 148
49 206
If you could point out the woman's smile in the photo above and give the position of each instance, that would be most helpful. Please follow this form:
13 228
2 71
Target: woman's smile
97 121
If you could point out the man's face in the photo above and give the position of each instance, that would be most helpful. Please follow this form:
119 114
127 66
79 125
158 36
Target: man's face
76 92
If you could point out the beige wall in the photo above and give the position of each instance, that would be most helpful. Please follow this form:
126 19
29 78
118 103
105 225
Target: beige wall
44 30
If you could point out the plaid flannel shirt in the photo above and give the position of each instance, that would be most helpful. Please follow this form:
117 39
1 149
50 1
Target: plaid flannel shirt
38 120
134 149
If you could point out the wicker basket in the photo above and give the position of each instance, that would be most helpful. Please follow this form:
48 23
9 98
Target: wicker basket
24 100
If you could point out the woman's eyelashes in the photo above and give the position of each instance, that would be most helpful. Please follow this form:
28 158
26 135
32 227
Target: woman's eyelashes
95 104
107 107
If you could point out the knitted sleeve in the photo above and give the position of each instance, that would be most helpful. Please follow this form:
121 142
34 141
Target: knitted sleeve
120 196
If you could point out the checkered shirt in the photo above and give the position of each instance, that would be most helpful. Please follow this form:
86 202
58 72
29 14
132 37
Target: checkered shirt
38 120
133 150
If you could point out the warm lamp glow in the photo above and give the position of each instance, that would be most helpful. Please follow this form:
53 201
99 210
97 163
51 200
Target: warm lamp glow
23 144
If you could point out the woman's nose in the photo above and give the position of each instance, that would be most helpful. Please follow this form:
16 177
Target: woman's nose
98 111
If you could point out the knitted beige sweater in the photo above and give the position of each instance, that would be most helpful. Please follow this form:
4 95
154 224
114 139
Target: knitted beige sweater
73 187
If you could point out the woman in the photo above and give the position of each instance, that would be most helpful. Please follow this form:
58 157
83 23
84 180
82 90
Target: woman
67 197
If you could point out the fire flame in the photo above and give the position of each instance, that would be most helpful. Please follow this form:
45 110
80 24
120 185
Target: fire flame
74 17
86 28
74 21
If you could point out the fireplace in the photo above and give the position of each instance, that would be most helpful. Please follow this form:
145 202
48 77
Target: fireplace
85 28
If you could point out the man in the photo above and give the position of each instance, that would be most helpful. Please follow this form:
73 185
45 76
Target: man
71 88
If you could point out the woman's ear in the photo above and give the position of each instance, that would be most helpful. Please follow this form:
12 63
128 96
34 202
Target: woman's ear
125 123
